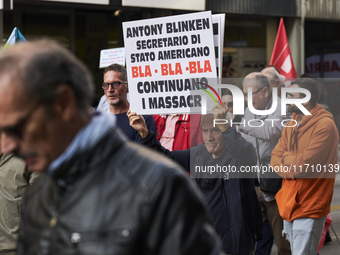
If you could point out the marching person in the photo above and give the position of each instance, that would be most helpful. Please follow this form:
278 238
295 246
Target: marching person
100 194
232 201
307 142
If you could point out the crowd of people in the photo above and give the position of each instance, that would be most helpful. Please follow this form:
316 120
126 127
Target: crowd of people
97 182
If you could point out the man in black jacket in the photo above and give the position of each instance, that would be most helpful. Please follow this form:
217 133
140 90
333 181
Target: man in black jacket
99 194
229 194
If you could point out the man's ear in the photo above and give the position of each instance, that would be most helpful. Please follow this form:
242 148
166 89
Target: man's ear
127 87
266 92
65 103
278 84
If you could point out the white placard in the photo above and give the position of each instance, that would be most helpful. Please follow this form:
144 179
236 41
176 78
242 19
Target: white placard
222 25
112 56
218 23
165 59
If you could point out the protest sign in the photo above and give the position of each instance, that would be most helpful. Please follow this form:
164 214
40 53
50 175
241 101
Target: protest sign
330 65
218 21
112 56
166 60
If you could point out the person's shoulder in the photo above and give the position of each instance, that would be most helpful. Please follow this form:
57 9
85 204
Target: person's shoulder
103 105
154 159
149 167
326 122
12 161
198 150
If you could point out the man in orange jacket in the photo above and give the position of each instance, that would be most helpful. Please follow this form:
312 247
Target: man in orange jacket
306 157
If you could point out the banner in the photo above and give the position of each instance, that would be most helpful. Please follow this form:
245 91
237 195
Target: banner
281 56
14 38
167 58
330 67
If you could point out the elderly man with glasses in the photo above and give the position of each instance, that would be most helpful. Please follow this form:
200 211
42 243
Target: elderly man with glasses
116 88
264 136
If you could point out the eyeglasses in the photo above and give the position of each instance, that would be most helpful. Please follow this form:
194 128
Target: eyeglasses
114 85
16 131
246 94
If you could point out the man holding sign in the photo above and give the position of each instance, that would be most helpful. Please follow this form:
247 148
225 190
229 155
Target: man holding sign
231 200
115 87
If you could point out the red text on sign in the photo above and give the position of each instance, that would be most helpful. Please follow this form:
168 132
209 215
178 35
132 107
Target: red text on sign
167 69
137 71
195 67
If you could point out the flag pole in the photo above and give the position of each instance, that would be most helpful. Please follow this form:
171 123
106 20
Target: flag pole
1 27
302 43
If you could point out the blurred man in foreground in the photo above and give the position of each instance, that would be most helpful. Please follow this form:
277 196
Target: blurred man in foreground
100 194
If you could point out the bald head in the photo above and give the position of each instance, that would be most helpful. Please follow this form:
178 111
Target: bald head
256 80
252 75
260 87
274 78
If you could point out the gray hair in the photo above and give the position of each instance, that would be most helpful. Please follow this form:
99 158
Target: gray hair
117 68
42 66
262 81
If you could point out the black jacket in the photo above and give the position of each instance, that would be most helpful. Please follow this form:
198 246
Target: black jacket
116 198
231 198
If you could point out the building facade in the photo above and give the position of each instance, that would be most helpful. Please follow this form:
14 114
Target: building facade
88 26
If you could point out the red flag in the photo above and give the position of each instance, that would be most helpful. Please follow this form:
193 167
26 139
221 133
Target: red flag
281 56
